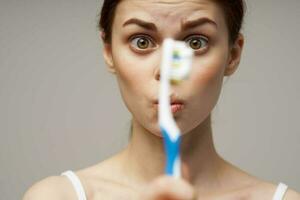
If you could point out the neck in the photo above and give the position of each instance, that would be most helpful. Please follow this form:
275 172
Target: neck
145 155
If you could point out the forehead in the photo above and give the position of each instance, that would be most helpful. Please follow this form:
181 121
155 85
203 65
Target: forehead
168 11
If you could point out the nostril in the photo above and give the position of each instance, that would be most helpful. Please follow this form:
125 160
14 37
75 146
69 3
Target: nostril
156 73
157 77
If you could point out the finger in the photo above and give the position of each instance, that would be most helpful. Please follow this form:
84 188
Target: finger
171 188
186 175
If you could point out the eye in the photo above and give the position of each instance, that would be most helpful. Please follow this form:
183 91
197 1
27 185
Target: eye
197 42
142 42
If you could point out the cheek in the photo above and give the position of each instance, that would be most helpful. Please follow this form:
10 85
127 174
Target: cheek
131 67
209 70
206 82
204 89
135 74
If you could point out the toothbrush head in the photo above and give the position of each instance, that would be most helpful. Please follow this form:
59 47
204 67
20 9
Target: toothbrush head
181 62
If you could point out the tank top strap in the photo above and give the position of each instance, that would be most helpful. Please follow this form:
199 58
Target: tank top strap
280 191
76 184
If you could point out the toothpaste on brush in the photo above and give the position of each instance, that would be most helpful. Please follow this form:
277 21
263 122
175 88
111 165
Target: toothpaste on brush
175 67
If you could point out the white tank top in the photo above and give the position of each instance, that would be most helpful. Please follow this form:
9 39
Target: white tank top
278 195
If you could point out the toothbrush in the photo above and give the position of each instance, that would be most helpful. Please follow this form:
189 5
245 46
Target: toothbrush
175 66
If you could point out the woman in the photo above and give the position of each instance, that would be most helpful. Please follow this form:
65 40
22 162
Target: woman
132 32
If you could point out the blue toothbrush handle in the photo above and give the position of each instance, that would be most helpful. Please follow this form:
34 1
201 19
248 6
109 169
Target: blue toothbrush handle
172 149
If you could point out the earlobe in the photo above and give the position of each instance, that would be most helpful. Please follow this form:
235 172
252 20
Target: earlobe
234 56
107 53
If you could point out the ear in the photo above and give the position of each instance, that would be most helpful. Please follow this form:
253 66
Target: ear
235 53
107 54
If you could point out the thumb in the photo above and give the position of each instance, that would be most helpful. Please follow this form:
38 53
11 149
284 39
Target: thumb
169 188
186 175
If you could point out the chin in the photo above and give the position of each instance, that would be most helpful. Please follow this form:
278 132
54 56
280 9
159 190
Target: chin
155 130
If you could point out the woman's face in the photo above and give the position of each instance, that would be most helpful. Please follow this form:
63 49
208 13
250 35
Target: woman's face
134 55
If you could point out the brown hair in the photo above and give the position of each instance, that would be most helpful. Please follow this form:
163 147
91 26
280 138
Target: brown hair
233 9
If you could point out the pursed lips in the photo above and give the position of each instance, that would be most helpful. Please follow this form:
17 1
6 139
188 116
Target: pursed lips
176 106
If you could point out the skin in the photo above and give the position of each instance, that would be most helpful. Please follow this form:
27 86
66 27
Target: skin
137 171
200 93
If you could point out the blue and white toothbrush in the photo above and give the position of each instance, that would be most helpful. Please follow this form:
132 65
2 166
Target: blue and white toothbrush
175 66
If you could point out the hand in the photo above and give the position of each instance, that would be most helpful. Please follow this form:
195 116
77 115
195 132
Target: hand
168 188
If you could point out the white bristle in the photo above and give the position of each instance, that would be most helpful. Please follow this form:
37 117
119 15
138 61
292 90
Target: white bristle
182 62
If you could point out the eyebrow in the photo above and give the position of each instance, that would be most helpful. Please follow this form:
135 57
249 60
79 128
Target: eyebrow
185 25
142 23
198 22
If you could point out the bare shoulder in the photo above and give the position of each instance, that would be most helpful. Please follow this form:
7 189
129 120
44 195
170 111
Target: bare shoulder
50 188
290 194
93 179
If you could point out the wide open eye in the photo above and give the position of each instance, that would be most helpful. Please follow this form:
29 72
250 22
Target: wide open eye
142 42
197 42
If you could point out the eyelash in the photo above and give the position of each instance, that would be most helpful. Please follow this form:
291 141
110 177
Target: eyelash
144 36
189 37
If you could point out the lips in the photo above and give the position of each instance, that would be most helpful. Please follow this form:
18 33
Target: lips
173 100
176 104
176 107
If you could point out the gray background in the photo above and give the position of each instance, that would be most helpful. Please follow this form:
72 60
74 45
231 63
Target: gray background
60 109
